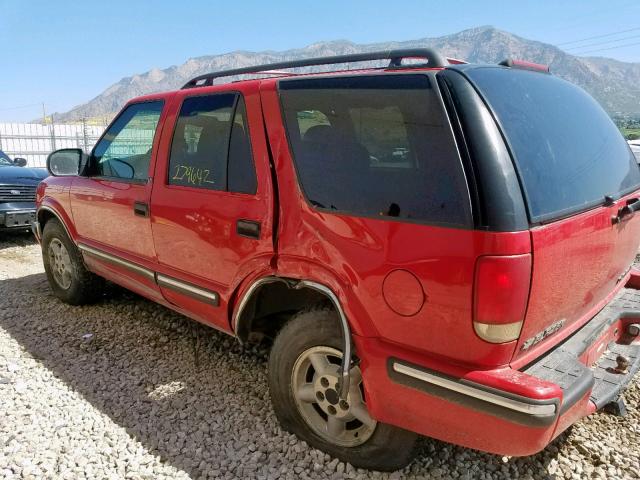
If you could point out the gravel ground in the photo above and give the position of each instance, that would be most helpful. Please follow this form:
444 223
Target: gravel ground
114 391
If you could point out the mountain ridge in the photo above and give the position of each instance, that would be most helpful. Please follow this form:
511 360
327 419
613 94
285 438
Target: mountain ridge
615 84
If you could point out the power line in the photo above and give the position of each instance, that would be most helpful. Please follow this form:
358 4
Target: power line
608 48
576 21
598 36
595 44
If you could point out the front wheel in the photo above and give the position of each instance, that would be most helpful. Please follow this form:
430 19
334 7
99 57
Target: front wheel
68 277
304 368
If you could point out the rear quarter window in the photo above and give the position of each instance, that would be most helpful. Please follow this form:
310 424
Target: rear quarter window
376 146
567 151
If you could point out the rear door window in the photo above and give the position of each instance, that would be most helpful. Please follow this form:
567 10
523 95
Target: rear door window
376 146
201 142
211 147
568 152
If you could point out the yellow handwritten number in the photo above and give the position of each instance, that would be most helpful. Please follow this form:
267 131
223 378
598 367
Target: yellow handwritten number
192 175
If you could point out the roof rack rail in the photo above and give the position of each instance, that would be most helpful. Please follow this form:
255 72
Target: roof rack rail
456 61
525 65
434 58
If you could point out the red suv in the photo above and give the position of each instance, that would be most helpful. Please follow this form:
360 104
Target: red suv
434 247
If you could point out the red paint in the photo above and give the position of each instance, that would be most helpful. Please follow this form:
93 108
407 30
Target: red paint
559 290
103 214
194 229
356 254
529 65
432 416
634 279
409 290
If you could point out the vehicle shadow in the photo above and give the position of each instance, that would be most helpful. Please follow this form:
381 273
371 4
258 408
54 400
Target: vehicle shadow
189 394
21 238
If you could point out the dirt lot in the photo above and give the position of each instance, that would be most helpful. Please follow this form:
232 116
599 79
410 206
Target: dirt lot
113 391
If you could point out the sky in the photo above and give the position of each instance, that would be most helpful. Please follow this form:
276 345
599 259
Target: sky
63 53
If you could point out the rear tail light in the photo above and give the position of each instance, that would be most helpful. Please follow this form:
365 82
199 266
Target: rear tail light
501 291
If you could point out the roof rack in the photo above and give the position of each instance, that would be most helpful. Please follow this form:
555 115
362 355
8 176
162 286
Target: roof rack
395 58
525 65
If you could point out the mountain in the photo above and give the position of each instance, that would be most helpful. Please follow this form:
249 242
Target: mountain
615 84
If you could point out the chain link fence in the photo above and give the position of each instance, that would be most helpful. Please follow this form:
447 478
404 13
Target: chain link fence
34 142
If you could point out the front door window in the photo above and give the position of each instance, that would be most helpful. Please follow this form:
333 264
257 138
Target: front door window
124 152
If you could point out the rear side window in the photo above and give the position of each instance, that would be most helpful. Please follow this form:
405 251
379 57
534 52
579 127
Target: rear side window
211 147
568 152
376 146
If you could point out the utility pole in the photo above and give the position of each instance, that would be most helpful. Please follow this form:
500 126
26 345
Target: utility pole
52 131
53 134
84 133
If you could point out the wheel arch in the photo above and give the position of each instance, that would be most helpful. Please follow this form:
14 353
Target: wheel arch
48 212
298 292
273 294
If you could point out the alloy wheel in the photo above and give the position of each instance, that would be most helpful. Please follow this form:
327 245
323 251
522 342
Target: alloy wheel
60 264
344 422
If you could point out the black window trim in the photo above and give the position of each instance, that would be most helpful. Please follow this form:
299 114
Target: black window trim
497 186
547 217
462 144
237 94
385 218
135 181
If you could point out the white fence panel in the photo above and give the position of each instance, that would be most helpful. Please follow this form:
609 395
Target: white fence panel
34 142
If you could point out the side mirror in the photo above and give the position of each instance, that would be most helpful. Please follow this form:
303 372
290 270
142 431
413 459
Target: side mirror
20 162
64 162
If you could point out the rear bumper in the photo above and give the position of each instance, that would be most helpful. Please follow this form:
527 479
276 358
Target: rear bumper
506 411
508 406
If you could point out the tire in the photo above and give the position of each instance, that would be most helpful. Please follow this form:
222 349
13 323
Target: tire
313 337
68 277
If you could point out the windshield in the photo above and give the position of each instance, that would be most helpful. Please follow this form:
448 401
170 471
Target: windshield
568 153
4 159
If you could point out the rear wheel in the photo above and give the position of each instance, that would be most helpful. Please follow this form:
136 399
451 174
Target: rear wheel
314 381
68 277
304 370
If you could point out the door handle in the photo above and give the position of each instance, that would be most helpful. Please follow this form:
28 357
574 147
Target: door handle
632 206
248 228
141 209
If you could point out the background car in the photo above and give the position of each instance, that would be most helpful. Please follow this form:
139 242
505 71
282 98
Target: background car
18 185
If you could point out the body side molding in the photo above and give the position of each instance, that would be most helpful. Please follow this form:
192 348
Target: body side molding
107 257
206 296
201 294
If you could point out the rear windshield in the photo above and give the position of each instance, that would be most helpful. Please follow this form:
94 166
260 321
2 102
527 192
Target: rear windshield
376 146
568 152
